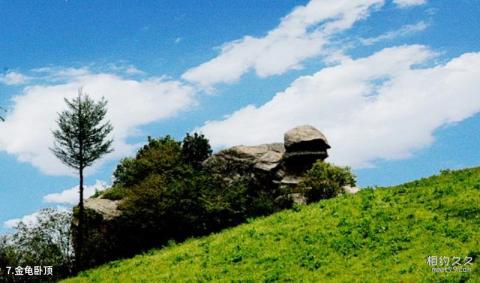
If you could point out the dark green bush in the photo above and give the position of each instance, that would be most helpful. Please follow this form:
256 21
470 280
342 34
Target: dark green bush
158 156
195 149
325 180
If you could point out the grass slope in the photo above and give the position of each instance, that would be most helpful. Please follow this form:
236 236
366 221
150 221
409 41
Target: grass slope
381 235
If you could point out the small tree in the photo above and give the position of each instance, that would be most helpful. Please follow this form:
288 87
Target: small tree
80 140
195 149
325 180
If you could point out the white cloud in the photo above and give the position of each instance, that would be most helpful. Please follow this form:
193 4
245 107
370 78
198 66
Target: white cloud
71 196
402 31
409 3
14 78
302 34
384 106
26 132
132 70
29 220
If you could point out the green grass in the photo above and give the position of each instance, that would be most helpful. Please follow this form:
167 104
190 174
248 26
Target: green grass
377 235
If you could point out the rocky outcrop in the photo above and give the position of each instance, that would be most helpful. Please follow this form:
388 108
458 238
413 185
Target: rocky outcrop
107 209
276 166
265 157
304 145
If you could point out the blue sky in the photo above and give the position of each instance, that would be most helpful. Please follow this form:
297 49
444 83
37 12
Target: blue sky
393 84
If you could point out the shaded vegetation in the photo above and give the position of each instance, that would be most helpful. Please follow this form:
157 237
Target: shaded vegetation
167 195
44 243
377 235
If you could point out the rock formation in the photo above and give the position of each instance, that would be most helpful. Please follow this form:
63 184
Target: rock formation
304 145
105 207
273 170
274 166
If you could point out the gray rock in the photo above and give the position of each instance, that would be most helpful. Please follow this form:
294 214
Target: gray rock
108 209
351 190
275 168
298 198
266 153
304 146
291 180
302 136
265 157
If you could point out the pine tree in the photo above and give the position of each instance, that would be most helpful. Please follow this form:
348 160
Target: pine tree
81 139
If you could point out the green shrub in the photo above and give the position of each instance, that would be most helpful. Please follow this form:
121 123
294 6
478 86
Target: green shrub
157 210
325 180
195 149
158 156
116 192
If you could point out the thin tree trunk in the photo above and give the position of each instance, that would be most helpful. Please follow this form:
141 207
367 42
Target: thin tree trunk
81 224
81 212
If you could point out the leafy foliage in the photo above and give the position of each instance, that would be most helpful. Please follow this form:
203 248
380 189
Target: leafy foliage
325 180
158 156
195 149
47 242
82 138
114 193
378 235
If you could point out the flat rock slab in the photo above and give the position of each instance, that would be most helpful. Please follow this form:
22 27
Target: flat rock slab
105 207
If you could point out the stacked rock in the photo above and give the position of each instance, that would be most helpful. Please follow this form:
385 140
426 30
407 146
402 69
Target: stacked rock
276 167
303 146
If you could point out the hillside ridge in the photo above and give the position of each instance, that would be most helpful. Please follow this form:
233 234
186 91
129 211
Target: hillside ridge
376 235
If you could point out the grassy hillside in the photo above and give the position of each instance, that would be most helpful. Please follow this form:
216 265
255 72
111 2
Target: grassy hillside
380 235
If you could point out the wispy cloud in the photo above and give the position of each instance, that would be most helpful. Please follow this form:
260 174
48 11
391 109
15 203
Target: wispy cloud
302 34
409 3
14 78
405 30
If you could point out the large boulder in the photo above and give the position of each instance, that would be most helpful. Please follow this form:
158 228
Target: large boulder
107 209
304 145
305 137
